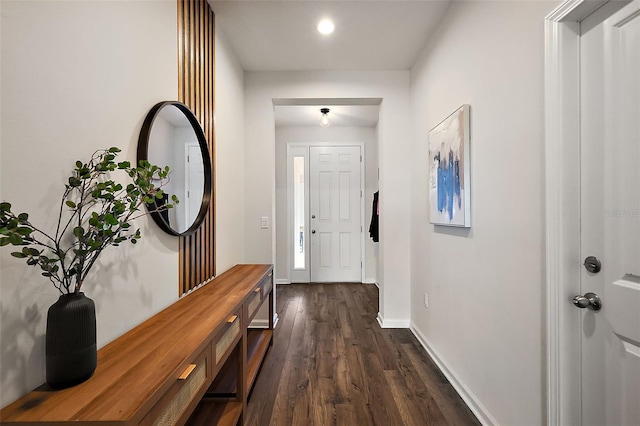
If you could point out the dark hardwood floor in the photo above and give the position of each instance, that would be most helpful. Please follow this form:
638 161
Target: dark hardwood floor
332 364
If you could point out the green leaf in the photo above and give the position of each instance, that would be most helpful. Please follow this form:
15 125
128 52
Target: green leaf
28 251
16 239
4 242
110 219
23 217
24 231
114 149
71 204
78 231
5 207
18 254
78 164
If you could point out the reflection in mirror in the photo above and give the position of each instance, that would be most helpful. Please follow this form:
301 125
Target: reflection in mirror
171 135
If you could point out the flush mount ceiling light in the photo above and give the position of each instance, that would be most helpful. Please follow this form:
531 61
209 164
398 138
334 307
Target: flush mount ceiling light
326 27
324 119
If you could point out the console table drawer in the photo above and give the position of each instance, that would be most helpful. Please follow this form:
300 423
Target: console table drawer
184 392
267 284
261 291
254 302
225 339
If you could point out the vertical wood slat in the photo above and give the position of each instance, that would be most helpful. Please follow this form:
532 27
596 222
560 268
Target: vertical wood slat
203 105
181 95
196 85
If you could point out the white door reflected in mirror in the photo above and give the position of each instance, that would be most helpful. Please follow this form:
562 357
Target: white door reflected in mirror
173 137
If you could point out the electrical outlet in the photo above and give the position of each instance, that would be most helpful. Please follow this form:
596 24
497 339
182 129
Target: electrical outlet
264 222
426 300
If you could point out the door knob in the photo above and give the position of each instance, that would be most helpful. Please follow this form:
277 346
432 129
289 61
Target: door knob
313 231
589 300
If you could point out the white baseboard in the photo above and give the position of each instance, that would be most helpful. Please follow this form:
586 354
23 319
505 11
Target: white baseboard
392 323
282 281
263 323
467 396
369 281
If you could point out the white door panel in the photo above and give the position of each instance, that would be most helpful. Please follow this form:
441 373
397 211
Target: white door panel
335 191
610 220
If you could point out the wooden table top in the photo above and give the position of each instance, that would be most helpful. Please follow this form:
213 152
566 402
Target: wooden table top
135 370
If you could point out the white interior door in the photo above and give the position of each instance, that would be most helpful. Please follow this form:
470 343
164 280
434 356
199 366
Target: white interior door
336 227
610 224
194 184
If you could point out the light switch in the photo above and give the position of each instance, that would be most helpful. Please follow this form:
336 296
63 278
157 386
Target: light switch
264 222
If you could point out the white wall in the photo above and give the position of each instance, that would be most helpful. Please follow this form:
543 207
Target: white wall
78 76
485 319
333 136
230 169
393 151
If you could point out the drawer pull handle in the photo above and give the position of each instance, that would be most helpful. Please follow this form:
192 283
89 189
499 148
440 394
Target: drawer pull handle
187 372
270 274
232 318
257 290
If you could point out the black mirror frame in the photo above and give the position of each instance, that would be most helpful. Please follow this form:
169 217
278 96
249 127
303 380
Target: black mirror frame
143 154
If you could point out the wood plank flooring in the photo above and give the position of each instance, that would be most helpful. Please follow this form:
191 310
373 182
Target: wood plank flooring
332 364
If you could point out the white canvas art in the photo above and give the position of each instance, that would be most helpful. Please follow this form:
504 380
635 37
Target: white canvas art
449 192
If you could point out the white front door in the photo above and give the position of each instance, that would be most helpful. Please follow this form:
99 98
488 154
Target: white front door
610 223
335 191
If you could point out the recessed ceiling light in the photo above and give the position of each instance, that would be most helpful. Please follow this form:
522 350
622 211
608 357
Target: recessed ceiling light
326 27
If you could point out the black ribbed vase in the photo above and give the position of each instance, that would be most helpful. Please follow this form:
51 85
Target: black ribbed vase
71 350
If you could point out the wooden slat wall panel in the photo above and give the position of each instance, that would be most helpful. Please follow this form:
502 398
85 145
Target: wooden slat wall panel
196 89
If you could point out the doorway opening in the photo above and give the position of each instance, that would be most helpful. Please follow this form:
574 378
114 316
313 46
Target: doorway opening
305 185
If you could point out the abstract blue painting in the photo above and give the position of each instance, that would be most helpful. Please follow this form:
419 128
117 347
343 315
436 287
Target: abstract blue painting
449 192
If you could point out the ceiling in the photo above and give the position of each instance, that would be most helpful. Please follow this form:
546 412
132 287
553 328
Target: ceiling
369 35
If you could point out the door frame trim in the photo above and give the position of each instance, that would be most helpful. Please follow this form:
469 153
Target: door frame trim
562 212
308 145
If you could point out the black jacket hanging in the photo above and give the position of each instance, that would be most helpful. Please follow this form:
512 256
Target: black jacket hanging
373 228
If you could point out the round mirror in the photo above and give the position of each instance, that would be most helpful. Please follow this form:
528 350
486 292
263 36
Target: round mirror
171 136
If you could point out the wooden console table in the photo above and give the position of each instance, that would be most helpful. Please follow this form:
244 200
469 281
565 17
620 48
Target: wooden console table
193 363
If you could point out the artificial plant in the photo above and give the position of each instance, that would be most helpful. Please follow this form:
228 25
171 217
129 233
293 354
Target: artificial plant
95 212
